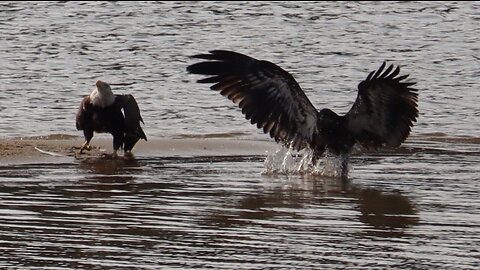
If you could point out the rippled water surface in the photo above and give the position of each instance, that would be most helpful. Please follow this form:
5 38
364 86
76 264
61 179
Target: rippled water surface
412 208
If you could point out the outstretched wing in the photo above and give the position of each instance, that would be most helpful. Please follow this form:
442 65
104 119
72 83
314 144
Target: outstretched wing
268 95
132 115
384 110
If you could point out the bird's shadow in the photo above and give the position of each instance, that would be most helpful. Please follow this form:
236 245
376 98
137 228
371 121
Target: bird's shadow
386 212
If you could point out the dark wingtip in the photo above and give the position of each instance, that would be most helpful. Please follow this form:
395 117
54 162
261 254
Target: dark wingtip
197 68
203 56
379 71
369 77
394 73
387 71
190 69
401 78
382 73
216 54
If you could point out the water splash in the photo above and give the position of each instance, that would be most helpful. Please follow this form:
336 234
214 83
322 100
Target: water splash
288 161
329 166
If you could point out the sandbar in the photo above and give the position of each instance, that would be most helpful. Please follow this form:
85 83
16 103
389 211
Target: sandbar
64 148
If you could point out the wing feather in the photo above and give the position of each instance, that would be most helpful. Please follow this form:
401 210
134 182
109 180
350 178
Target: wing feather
132 115
268 95
384 110
83 113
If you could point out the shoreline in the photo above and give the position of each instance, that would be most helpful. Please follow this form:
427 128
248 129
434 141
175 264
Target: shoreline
58 148
61 148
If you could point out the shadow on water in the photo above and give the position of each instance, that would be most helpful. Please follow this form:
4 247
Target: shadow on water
384 211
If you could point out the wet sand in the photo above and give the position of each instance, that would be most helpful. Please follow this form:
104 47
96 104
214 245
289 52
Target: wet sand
58 148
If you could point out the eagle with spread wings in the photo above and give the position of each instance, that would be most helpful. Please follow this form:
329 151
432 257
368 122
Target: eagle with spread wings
382 114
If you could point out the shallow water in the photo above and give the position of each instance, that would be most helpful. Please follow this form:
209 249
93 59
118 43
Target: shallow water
411 208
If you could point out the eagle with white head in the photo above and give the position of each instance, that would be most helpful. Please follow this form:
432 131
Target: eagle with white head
101 112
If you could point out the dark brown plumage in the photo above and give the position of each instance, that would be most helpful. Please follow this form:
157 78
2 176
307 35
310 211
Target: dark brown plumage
382 114
101 112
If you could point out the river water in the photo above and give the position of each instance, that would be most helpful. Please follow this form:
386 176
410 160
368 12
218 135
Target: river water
416 207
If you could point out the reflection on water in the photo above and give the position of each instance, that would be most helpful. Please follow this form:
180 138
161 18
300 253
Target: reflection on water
190 212
109 166
386 211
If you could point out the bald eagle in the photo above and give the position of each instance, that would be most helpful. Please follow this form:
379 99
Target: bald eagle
101 112
382 114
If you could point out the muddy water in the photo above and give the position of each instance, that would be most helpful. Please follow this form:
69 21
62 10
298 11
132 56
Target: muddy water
411 208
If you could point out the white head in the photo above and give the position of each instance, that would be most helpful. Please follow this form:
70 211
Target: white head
102 95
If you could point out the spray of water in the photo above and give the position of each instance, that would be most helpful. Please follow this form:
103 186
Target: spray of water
286 161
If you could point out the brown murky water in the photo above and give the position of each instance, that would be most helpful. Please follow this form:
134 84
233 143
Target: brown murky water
416 207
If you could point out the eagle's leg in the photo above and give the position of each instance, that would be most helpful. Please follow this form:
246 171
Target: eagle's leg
86 145
317 154
118 140
344 158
